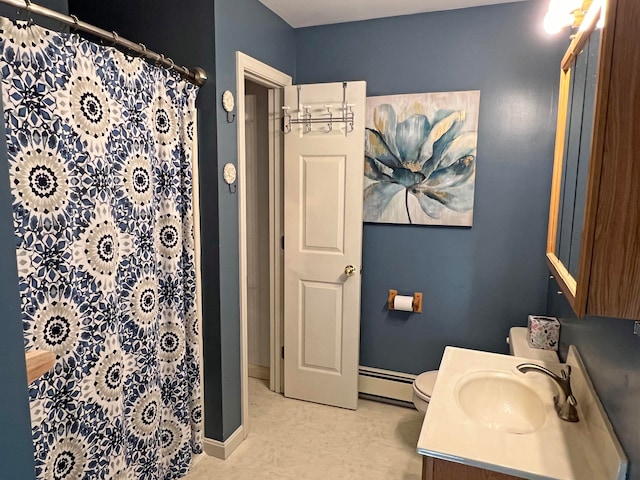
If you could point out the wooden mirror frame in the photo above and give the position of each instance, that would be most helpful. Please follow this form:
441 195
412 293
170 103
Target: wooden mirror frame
576 290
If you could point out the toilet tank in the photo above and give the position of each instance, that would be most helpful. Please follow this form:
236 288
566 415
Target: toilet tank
519 347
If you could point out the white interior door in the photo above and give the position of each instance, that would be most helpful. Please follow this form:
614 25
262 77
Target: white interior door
323 177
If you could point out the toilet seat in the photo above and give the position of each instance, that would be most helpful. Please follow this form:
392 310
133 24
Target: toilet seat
424 383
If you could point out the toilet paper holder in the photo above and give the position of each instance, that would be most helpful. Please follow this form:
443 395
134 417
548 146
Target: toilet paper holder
417 300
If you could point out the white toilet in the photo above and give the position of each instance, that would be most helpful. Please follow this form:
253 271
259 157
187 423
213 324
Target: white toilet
518 346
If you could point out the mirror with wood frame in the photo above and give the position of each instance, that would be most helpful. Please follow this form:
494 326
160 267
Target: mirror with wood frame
576 145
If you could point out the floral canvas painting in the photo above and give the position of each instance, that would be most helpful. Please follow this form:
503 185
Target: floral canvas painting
420 158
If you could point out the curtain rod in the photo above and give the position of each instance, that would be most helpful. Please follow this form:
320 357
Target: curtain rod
196 75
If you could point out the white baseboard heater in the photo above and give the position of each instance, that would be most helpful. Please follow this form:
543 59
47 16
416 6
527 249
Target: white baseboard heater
386 385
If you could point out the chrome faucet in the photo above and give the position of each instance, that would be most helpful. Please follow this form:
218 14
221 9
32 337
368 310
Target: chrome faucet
567 409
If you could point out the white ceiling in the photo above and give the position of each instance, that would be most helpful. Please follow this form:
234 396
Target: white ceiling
306 13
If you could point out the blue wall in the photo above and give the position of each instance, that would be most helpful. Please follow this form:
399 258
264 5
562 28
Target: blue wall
16 446
247 26
611 354
477 282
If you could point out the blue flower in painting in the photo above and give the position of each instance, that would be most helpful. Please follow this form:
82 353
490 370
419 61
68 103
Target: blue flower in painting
429 159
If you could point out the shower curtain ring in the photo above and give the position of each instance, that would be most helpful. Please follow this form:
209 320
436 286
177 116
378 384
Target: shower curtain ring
75 21
115 37
170 67
27 7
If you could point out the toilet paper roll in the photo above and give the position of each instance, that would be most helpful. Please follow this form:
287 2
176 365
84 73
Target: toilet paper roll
403 303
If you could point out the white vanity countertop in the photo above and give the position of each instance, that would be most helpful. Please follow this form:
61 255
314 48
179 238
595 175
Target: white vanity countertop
559 450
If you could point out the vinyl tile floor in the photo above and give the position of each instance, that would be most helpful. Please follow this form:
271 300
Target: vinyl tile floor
292 439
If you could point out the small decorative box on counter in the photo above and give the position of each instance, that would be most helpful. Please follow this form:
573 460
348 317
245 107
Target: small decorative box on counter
543 332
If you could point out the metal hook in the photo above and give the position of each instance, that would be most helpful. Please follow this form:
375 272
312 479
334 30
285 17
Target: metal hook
143 47
115 37
286 120
171 67
330 120
349 117
235 188
306 116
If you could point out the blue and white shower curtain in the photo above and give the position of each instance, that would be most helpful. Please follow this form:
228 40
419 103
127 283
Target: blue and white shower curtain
99 146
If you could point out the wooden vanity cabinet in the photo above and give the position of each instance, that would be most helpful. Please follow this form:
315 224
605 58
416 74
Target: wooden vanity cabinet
436 469
593 244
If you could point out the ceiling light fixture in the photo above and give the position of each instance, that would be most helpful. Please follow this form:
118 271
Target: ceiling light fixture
565 13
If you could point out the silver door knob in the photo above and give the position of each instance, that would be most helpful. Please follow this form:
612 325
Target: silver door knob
349 270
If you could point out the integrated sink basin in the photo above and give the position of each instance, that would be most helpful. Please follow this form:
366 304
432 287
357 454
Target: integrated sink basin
497 400
485 413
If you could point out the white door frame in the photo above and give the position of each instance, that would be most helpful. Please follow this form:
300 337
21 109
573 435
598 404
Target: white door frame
248 68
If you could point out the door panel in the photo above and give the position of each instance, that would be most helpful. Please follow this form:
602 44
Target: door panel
321 331
322 197
323 234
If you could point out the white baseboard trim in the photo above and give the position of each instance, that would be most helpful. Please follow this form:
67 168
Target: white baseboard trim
386 384
223 450
257 371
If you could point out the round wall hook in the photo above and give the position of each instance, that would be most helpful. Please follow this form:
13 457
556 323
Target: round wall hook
229 175
228 103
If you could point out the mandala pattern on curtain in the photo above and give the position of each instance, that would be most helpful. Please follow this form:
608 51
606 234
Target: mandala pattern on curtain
99 149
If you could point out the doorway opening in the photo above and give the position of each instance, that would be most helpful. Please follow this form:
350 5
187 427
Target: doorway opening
256 121
260 211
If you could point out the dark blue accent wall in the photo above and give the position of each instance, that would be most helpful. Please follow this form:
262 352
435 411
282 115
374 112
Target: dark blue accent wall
479 281
249 27
16 446
611 354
